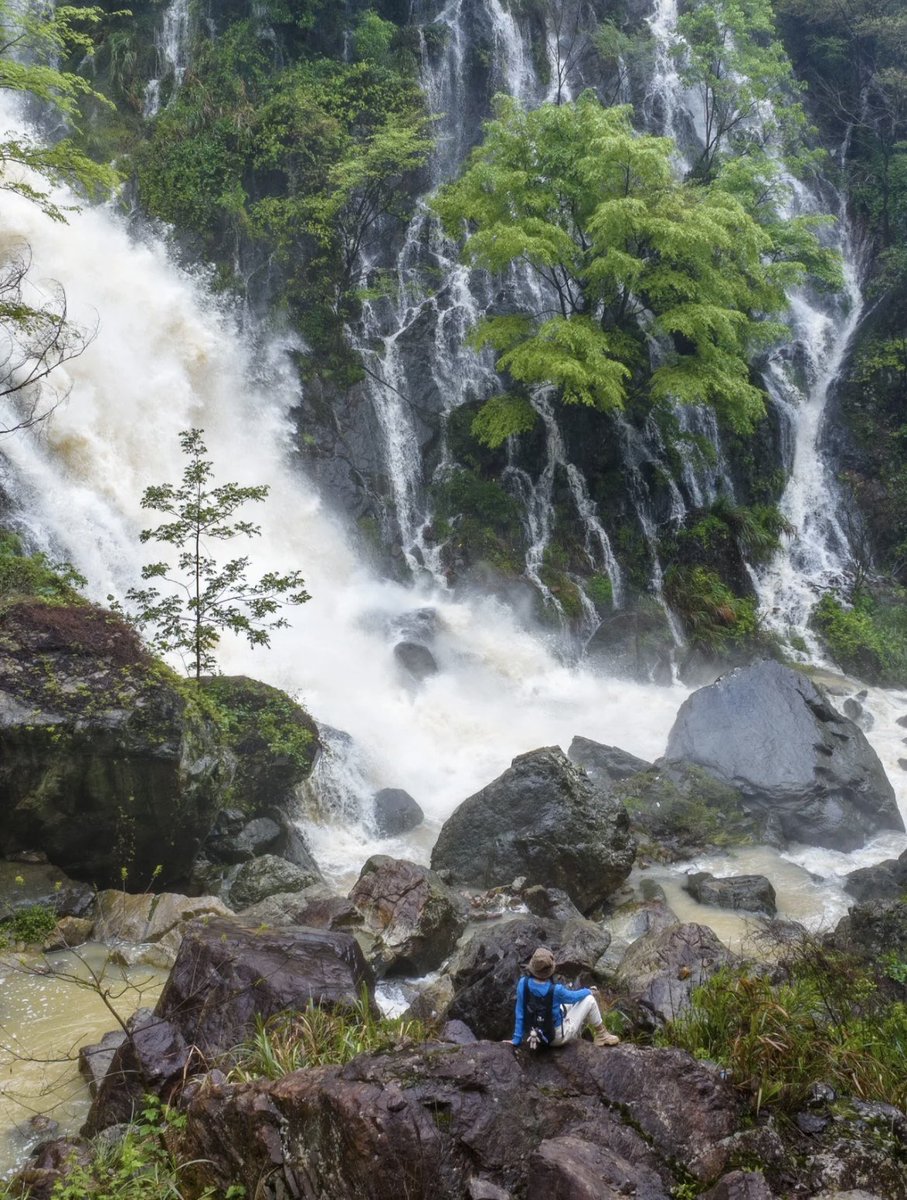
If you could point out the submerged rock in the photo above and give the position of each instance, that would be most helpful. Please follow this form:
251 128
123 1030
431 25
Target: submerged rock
545 820
395 812
417 660
885 881
751 893
809 772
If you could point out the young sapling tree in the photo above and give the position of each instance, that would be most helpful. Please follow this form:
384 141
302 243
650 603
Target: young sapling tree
207 597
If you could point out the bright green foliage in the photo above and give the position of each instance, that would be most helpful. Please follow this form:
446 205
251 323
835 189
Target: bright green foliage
319 1037
713 617
623 251
829 1019
344 138
302 161
866 637
137 1166
503 417
733 59
34 576
207 597
756 531
39 38
32 925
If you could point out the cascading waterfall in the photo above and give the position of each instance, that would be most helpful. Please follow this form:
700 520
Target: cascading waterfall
817 554
172 46
168 358
457 373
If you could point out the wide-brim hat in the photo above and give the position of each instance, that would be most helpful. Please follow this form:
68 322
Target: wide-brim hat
541 965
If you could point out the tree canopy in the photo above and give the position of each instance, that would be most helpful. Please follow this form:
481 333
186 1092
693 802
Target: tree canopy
632 266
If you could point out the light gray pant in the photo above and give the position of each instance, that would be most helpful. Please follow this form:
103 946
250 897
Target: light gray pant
576 1018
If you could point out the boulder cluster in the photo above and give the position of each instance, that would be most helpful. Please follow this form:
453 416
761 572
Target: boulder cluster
542 855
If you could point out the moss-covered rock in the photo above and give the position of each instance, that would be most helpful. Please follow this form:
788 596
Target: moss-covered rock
274 739
108 761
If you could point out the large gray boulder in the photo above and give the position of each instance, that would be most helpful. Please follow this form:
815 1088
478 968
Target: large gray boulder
749 893
771 733
885 881
660 971
545 820
605 764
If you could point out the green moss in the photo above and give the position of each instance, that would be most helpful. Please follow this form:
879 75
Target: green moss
600 591
685 813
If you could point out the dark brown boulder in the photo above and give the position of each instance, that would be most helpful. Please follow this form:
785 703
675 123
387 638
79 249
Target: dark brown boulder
568 1168
227 973
152 1059
415 916
439 1120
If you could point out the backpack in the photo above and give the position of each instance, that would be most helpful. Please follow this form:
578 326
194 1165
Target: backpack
538 1016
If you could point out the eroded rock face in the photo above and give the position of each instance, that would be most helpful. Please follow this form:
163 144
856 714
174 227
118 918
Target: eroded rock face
770 732
660 970
106 761
416 918
226 973
543 819
316 906
453 1121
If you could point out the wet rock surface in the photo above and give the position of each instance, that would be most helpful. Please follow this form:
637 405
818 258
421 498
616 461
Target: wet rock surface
415 917
660 970
605 764
885 881
99 744
395 812
442 1119
769 731
266 876
543 819
750 893
226 973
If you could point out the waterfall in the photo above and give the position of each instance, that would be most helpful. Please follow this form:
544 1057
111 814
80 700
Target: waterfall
168 357
172 45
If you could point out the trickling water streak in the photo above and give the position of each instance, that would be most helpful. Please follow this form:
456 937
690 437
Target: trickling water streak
172 46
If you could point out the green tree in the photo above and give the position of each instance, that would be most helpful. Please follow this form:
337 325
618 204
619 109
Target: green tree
740 69
208 597
626 257
36 335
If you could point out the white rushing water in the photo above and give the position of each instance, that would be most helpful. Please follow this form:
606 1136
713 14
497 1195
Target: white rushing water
166 359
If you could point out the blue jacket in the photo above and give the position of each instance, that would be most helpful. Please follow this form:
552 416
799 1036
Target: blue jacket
539 987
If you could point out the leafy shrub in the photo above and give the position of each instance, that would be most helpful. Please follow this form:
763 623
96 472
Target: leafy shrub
865 637
32 925
317 1037
713 617
138 1166
829 1018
